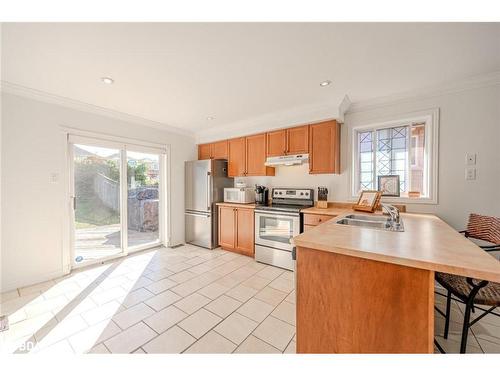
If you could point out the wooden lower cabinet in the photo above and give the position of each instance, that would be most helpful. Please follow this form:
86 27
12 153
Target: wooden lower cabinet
245 235
227 227
347 304
236 229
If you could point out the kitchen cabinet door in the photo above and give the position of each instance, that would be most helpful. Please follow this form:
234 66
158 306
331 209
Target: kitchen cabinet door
237 157
298 140
256 156
204 151
324 148
219 150
276 143
245 231
227 227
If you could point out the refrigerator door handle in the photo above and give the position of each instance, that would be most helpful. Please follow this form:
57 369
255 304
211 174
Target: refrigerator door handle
209 191
197 214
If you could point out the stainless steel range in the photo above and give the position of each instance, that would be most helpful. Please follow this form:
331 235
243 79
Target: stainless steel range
277 224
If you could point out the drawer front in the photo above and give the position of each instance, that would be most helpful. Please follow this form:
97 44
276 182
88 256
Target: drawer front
308 227
312 219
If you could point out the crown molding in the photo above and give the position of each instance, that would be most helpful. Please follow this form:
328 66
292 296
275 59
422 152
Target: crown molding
465 84
344 107
30 93
270 121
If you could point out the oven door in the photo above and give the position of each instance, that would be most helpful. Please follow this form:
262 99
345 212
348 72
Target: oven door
276 229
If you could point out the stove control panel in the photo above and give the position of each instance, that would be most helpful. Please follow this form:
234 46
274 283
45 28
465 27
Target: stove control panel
306 194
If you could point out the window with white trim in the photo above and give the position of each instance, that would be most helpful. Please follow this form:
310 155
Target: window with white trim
405 148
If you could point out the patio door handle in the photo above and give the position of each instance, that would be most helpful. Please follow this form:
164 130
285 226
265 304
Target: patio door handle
74 202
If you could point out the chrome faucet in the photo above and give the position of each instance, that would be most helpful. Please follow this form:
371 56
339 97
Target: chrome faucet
393 212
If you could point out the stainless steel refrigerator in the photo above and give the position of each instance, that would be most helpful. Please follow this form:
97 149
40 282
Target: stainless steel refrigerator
205 181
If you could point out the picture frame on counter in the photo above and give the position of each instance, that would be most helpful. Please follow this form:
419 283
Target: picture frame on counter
368 201
389 186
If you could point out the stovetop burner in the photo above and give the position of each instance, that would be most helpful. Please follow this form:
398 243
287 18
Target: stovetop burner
289 200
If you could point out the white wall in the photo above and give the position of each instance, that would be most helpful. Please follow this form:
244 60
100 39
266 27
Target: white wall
32 213
469 122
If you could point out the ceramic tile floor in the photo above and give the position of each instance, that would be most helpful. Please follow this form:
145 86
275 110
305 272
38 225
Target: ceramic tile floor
182 300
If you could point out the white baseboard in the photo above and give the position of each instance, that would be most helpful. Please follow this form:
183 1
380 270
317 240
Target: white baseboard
23 282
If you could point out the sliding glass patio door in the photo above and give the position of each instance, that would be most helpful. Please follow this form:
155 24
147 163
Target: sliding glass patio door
143 198
116 199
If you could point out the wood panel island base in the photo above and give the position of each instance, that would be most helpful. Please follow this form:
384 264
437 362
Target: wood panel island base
352 305
365 290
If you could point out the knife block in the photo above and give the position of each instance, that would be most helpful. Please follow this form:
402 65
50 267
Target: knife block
322 204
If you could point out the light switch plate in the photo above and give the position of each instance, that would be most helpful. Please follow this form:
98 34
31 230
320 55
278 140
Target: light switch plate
470 159
54 178
470 174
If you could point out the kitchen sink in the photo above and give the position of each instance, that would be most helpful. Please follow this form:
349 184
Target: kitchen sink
376 222
368 218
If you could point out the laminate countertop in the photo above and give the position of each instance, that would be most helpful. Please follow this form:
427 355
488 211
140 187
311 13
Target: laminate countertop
240 205
426 243
330 211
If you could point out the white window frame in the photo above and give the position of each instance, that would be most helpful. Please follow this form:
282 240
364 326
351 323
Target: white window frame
124 144
431 120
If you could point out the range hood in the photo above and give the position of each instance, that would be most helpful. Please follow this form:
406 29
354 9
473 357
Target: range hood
287 160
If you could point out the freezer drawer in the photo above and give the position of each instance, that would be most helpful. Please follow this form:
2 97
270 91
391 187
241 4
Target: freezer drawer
199 230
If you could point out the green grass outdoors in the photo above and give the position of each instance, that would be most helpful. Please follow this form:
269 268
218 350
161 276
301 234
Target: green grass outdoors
90 213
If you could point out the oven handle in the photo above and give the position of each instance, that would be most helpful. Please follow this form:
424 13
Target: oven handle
275 215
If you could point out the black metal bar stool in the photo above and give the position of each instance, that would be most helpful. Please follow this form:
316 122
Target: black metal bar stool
472 291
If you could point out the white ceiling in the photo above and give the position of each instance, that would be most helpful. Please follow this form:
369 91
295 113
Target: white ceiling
179 74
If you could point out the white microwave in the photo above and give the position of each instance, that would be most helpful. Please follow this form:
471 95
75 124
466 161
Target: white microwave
239 195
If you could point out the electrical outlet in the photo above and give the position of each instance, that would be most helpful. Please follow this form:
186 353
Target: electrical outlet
470 174
470 159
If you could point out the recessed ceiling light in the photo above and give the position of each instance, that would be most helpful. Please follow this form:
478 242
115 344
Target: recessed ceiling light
210 118
325 83
107 80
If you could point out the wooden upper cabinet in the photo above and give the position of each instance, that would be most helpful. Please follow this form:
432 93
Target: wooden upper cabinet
247 155
297 140
276 143
220 150
289 141
245 231
256 156
204 151
324 147
216 150
227 227
237 157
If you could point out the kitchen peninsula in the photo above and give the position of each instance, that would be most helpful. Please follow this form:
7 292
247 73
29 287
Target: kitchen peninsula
365 290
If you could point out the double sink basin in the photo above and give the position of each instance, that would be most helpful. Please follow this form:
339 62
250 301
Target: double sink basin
375 222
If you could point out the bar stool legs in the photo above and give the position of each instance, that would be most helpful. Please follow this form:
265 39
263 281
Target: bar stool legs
447 317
